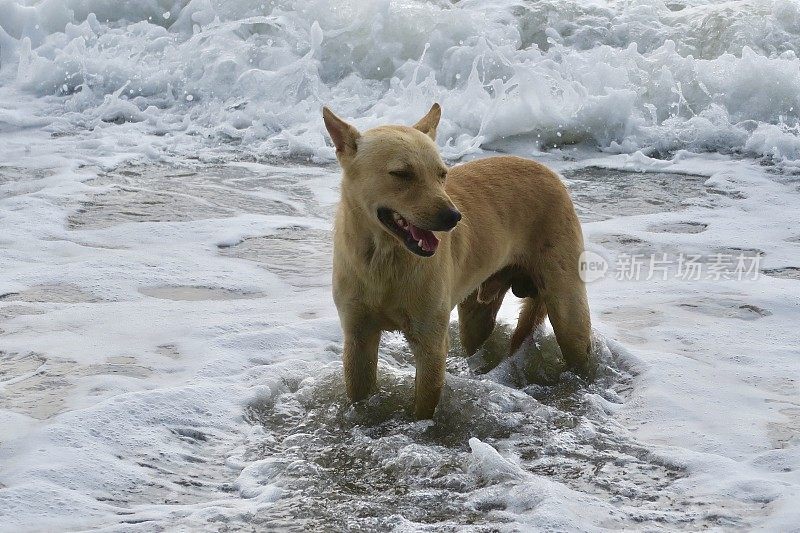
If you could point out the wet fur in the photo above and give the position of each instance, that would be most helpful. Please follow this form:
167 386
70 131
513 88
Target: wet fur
519 231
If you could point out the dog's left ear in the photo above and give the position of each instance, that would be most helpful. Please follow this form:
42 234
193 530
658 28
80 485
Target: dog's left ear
430 122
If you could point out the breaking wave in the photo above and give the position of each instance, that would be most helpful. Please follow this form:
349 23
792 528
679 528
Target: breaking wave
252 74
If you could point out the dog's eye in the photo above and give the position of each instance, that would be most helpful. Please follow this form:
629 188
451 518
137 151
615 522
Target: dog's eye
443 175
402 174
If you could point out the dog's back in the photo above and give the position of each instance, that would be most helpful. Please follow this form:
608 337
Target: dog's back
514 210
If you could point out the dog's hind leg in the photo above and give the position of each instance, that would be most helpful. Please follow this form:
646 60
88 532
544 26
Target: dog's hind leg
531 317
478 313
476 320
569 315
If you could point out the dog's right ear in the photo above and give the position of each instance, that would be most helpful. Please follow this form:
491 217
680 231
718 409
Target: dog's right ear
343 135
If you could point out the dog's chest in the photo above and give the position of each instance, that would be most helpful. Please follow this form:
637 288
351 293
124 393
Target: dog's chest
397 293
395 297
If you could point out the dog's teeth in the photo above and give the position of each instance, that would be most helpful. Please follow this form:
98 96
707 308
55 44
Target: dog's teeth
420 243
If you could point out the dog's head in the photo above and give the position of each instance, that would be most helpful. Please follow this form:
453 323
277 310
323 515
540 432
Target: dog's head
396 175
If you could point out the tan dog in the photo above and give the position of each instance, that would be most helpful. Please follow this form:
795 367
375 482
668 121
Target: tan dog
413 239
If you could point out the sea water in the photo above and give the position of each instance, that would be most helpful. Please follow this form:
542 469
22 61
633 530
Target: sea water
169 350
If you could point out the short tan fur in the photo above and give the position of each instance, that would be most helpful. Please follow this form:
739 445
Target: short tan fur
413 239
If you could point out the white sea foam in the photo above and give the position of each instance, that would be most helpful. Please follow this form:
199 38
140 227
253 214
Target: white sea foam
253 75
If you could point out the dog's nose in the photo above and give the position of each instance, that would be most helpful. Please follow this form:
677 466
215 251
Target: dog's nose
448 218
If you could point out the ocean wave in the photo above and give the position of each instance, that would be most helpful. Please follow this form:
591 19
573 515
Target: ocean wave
653 76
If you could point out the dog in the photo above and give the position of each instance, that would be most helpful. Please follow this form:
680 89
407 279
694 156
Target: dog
413 239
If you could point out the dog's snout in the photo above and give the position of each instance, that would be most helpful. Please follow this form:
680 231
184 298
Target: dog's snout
448 218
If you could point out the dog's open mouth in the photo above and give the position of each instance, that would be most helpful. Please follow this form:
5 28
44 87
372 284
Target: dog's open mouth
420 241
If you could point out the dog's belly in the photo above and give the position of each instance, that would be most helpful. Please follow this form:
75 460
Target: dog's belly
473 264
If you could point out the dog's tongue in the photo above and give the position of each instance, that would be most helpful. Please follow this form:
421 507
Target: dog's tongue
429 240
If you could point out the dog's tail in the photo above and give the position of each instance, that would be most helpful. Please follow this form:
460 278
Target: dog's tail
530 317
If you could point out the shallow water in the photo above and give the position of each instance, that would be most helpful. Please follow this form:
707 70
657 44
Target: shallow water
163 194
601 193
191 294
372 467
169 351
297 455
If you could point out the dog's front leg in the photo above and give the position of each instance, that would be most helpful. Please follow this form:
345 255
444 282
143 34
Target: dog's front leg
360 359
430 351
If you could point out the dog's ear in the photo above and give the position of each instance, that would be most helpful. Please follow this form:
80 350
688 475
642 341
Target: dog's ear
343 135
430 122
